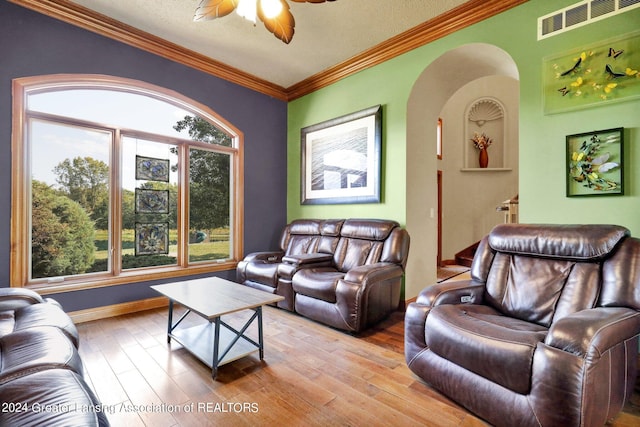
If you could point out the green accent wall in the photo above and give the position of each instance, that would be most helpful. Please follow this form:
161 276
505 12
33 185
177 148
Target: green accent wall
542 137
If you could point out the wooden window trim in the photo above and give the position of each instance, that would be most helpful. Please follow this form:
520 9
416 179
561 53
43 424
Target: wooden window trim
20 184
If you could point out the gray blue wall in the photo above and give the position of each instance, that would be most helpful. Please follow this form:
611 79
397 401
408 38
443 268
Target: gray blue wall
34 44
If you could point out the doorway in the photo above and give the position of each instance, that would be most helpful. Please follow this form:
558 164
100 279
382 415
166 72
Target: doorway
431 92
439 259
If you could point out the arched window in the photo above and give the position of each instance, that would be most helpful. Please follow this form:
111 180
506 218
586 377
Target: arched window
117 181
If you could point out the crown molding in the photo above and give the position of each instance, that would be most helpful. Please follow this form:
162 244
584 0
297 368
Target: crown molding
454 20
449 22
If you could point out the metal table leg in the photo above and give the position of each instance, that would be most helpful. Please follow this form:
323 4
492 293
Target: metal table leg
169 328
216 345
260 336
218 353
170 325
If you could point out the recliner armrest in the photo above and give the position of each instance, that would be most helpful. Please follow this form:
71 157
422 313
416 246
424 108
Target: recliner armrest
266 256
457 292
368 291
594 331
414 337
14 298
373 272
311 258
292 263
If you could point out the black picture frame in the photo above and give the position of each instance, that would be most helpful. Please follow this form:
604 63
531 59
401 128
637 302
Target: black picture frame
595 163
341 159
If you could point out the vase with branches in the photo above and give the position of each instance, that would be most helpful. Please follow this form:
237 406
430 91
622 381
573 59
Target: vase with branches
482 142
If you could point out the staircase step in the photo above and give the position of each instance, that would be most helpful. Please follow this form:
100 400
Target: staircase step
465 256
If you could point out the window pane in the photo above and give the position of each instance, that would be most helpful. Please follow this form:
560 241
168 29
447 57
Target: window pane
201 130
209 205
104 179
149 203
69 199
115 108
128 111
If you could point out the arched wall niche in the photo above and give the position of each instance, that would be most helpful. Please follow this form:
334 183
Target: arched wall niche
435 85
485 115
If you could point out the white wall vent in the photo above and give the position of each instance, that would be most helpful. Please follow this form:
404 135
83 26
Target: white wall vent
580 14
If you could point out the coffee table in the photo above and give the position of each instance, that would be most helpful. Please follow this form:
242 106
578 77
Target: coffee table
215 342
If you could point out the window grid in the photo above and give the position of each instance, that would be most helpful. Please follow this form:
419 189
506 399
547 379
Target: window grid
21 188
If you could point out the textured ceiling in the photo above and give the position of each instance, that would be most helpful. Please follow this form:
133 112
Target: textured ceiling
326 34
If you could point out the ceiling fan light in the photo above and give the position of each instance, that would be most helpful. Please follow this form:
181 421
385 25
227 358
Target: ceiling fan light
271 8
247 9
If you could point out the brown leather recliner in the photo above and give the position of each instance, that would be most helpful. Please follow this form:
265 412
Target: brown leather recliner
41 373
363 280
545 333
22 309
344 273
312 241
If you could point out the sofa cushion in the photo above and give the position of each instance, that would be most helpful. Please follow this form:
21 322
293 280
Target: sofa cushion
45 314
7 322
482 340
301 244
36 349
301 236
15 298
370 229
331 227
576 242
318 283
557 289
305 226
351 253
396 247
55 397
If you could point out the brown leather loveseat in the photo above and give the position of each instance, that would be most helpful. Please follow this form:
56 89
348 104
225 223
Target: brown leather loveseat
41 373
343 273
545 333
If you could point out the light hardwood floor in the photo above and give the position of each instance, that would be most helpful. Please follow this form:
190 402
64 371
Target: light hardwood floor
311 376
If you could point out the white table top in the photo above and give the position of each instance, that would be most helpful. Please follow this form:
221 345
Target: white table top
212 297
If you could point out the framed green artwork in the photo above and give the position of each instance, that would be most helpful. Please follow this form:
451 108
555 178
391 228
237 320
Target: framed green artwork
595 163
592 75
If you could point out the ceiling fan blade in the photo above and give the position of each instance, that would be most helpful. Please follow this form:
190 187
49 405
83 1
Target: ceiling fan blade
282 26
212 9
311 1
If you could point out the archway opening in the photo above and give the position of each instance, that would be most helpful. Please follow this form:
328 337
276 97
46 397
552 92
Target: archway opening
440 82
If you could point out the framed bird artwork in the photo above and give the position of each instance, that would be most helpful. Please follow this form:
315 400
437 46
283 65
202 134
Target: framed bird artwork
595 163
